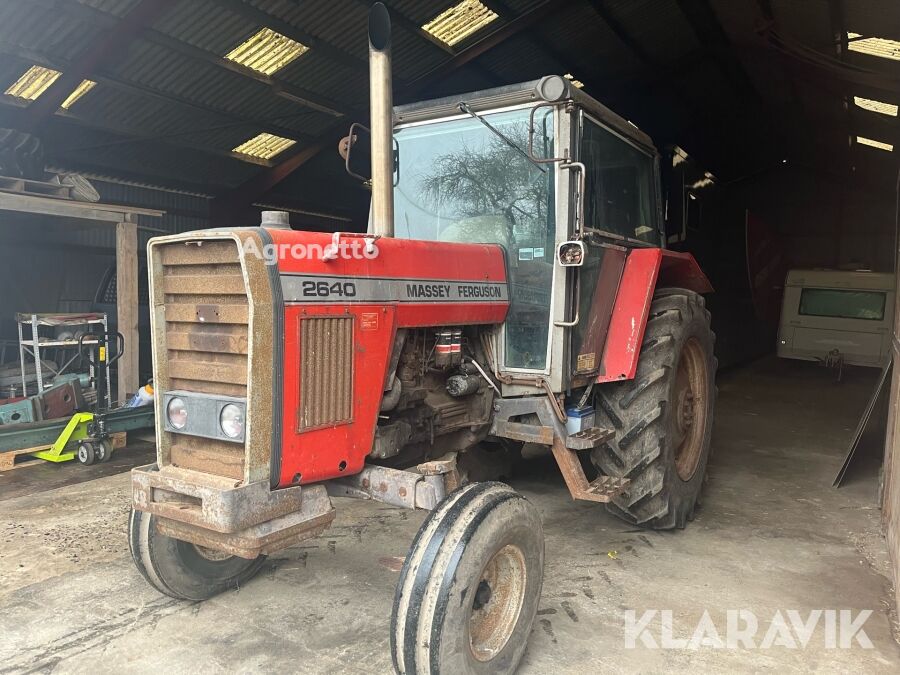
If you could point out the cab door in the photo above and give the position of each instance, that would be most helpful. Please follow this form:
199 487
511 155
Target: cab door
621 212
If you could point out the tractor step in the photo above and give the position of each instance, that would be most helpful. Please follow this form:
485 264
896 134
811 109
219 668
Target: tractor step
607 487
589 438
601 489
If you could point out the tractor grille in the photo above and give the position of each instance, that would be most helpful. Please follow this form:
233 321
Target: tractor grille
206 340
326 371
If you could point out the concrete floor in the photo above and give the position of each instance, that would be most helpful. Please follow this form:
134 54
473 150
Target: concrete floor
772 535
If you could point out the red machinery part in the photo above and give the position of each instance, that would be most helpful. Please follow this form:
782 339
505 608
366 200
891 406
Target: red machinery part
645 269
402 284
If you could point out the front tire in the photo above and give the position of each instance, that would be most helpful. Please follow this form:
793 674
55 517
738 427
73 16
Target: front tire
180 569
86 453
663 417
470 586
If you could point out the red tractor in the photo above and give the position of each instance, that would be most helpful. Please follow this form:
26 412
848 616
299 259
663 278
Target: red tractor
512 290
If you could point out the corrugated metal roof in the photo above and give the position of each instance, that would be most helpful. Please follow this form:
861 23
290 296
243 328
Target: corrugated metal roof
341 23
34 25
188 103
659 26
115 7
460 21
206 25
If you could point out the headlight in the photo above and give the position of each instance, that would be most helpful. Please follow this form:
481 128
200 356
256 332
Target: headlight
176 412
231 420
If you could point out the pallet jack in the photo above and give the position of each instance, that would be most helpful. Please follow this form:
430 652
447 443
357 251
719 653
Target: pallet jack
87 435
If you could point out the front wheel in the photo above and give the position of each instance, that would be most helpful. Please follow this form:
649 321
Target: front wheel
86 454
470 587
183 570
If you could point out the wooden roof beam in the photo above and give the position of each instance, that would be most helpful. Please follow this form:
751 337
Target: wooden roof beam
96 17
264 181
116 40
618 29
16 51
487 43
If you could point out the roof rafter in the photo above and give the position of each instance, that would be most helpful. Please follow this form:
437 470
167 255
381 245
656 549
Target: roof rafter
132 24
534 33
129 176
257 186
96 17
618 29
514 27
16 51
288 29
408 24
702 19
126 136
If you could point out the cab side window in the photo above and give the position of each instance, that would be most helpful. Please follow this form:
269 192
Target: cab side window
620 196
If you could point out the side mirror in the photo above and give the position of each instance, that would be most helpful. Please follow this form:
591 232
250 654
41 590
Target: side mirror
356 149
571 253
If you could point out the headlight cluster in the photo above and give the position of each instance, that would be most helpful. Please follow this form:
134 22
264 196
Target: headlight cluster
176 412
231 421
207 415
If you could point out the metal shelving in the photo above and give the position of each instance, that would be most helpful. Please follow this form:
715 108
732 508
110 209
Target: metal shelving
33 345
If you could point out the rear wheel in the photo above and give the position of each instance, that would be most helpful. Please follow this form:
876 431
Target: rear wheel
103 450
470 586
663 417
183 570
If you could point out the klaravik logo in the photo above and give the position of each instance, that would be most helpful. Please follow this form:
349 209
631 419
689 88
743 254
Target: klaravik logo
743 629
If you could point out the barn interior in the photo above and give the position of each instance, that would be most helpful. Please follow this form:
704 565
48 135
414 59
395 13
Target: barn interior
777 127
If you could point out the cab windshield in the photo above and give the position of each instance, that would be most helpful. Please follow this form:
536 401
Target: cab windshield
459 181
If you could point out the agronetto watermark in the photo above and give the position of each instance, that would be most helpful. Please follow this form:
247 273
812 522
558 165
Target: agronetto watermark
339 248
745 629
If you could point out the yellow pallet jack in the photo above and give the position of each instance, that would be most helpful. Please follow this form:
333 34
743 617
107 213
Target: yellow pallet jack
87 447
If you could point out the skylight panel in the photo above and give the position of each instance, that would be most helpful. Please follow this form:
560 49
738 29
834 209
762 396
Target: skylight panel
267 51
874 144
873 46
80 90
876 106
38 79
34 82
264 146
460 21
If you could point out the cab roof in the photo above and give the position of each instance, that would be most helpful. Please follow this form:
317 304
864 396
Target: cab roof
548 89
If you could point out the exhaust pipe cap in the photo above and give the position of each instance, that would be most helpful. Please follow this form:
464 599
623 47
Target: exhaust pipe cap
379 27
276 220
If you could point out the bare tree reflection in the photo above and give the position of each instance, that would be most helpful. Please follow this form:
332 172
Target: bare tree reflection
494 179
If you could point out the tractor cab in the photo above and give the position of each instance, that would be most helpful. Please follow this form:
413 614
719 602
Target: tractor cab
530 167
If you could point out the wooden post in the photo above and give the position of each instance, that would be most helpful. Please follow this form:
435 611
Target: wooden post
890 504
127 306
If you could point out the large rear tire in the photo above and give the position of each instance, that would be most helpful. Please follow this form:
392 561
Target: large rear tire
663 417
470 587
180 569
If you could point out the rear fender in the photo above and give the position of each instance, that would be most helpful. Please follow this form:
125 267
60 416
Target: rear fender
645 270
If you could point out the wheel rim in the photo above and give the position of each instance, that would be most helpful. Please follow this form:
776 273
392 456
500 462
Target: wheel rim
211 553
691 395
497 602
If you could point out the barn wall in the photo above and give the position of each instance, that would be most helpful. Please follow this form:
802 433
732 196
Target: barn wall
816 220
890 514
824 221
56 265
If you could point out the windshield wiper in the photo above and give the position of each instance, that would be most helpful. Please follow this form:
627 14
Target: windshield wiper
464 107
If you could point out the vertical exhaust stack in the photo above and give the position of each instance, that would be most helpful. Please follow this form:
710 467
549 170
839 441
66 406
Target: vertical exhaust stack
381 104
